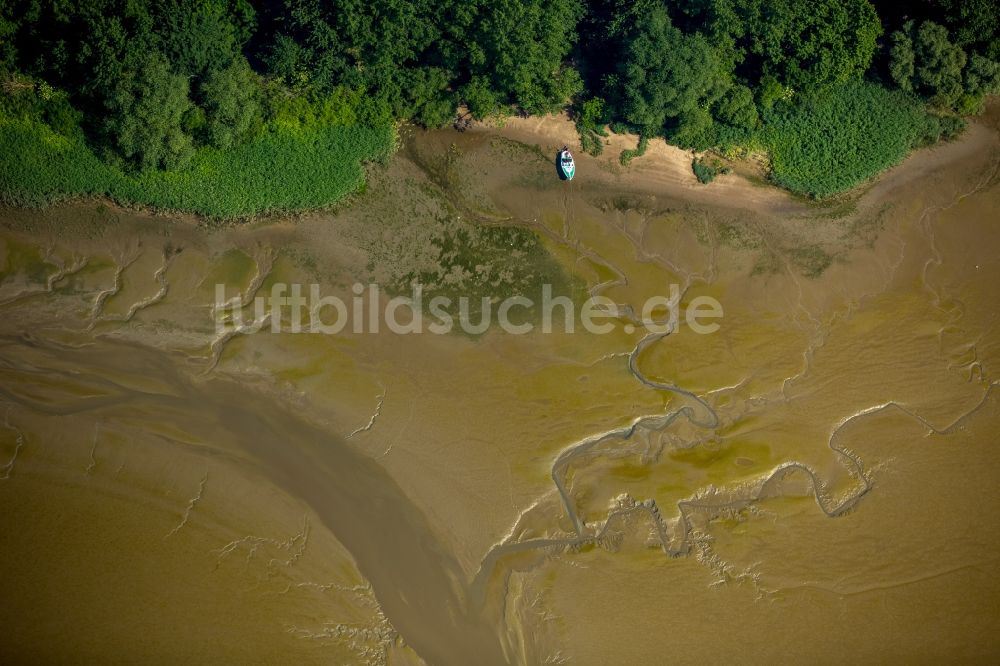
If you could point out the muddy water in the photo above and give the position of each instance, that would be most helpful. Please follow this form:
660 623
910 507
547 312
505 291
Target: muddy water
348 493
814 478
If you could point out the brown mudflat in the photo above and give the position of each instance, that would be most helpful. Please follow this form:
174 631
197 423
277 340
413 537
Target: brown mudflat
813 480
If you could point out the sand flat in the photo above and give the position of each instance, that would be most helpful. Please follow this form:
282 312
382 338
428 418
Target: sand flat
812 479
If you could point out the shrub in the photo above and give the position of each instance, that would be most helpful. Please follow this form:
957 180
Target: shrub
704 172
694 129
481 99
145 113
640 150
591 142
830 143
232 111
590 123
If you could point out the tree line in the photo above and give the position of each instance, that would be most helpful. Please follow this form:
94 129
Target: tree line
151 82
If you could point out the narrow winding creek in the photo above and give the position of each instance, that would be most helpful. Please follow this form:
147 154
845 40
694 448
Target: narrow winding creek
818 470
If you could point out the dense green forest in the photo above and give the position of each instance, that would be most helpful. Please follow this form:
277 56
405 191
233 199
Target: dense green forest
233 107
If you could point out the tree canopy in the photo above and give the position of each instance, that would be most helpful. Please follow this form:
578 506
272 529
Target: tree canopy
153 82
665 73
925 61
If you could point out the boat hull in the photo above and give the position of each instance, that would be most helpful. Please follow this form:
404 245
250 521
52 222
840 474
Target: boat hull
567 167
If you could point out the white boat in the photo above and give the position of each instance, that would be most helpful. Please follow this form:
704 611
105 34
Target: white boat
567 167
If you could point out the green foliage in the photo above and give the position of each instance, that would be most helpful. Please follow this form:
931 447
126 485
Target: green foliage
628 155
289 62
153 78
902 58
520 45
733 140
925 60
414 54
704 172
277 171
342 106
817 43
737 108
198 35
427 99
619 127
972 24
481 99
592 113
282 170
38 166
838 140
982 76
665 73
938 65
771 92
805 44
590 123
694 129
179 85
591 142
9 26
231 107
145 114
29 100
941 128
